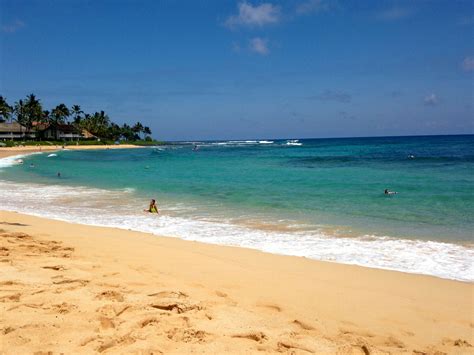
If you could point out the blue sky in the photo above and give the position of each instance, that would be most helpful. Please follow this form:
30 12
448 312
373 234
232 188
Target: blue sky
222 69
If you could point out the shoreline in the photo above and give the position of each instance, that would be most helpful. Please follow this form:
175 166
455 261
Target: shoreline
201 297
6 152
61 220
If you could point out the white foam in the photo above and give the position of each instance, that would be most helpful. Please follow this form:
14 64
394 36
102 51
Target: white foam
106 208
13 160
294 142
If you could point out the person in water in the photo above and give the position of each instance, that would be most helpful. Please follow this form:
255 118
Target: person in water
152 208
388 192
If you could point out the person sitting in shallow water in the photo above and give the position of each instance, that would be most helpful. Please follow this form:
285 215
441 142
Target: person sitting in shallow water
152 208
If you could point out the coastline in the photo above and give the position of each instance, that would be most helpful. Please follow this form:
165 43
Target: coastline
12 151
78 288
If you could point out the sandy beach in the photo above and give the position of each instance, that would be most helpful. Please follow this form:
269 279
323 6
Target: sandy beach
81 289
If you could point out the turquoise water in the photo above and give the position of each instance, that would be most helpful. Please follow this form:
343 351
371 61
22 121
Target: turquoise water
284 192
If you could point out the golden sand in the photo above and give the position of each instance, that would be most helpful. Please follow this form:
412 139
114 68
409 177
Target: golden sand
80 289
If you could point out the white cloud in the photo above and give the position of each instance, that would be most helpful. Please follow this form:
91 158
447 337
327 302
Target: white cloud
394 14
254 16
311 6
468 64
259 46
431 100
13 26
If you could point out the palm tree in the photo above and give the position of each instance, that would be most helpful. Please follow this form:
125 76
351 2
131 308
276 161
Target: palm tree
114 131
33 112
19 111
147 131
46 117
137 129
127 132
5 109
76 112
98 124
59 114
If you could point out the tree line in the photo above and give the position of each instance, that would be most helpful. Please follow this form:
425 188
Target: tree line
29 112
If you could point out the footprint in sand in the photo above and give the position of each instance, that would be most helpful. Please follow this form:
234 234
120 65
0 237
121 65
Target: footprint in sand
63 308
255 336
270 306
7 330
111 295
221 294
55 267
174 301
11 298
71 281
303 325
148 321
289 346
106 323
112 311
188 335
169 294
458 342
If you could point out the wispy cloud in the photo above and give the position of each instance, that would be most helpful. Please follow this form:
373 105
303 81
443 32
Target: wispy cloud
394 14
312 6
13 26
254 16
431 100
468 64
336 96
259 45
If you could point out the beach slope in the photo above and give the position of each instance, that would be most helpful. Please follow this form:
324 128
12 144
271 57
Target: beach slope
81 289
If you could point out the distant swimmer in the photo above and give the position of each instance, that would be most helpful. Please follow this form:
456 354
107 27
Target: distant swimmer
195 148
152 208
388 192
59 174
32 165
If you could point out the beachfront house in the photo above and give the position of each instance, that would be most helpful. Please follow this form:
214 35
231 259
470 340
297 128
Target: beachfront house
57 131
13 130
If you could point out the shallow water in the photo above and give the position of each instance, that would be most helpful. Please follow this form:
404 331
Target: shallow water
321 199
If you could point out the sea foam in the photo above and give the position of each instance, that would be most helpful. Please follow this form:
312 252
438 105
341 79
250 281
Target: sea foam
101 207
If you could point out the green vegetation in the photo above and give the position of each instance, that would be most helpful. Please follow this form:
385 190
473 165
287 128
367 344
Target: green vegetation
30 114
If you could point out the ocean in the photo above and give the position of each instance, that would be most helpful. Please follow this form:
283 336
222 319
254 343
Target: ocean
317 198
